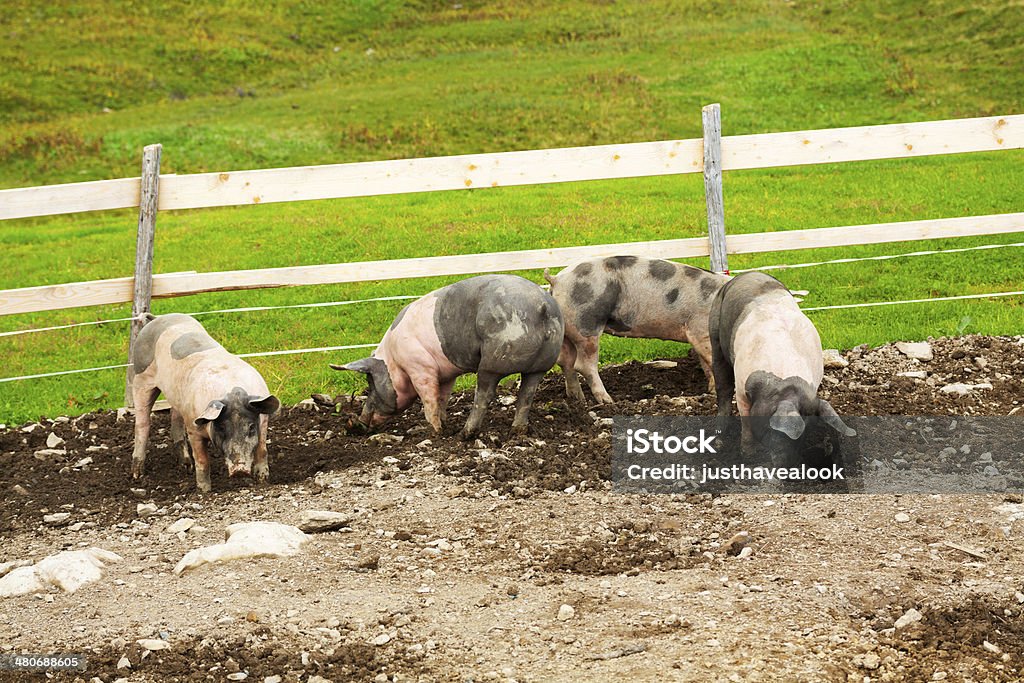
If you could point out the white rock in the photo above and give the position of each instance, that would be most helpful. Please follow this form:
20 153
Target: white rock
144 510
183 524
124 663
902 517
7 567
962 389
57 518
20 581
73 569
566 612
238 676
992 647
662 364
153 644
385 438
54 454
913 374
244 540
83 462
908 618
918 350
272 679
834 359
382 639
52 441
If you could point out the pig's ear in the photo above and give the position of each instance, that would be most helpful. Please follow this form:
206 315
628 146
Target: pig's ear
211 413
828 413
267 405
363 365
787 419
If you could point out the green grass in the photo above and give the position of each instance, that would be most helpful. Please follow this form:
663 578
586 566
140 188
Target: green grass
238 87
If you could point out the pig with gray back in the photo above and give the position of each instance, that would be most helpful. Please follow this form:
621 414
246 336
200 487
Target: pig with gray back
630 296
217 399
493 325
767 351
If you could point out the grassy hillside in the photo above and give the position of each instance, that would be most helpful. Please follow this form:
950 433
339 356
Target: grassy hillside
84 86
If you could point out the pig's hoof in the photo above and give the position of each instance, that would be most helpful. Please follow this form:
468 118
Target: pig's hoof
262 475
520 430
466 435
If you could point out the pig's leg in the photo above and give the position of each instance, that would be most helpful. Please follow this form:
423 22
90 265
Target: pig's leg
486 388
567 361
725 385
429 391
444 393
143 396
260 463
202 459
527 390
702 347
179 439
586 363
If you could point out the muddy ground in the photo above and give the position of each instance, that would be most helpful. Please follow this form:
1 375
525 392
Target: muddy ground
459 556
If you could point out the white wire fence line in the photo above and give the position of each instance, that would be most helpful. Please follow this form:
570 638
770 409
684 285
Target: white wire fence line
321 349
403 297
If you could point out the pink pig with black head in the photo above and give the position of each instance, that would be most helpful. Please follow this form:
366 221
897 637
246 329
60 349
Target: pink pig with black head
493 325
217 399
766 350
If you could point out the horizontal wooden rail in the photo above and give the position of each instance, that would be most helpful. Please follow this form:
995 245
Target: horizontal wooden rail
52 297
531 167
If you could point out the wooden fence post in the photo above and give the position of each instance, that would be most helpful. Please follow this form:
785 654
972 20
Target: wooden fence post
148 193
711 116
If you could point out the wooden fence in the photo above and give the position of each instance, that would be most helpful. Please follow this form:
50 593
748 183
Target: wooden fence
712 155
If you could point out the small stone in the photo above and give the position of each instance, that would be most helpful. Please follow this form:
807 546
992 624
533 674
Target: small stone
992 647
985 457
321 521
902 517
252 616
913 374
833 359
566 612
735 544
56 519
237 676
869 661
939 676
272 679
371 561
50 454
153 644
745 553
82 463
183 524
144 510
19 489
52 441
124 663
908 618
919 350
382 639
662 364
382 438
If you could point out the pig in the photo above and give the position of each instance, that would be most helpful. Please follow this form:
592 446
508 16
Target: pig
216 399
493 325
766 350
630 296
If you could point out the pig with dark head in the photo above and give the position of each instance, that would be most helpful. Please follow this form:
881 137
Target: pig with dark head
217 399
493 325
766 350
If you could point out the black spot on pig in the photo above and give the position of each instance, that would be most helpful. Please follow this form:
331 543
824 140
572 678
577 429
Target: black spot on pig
619 262
709 286
662 270
591 318
145 344
672 295
692 273
582 293
583 268
189 343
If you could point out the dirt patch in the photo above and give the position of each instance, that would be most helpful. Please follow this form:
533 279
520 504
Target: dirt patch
460 555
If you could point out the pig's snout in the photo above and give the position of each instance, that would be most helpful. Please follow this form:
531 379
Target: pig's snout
236 468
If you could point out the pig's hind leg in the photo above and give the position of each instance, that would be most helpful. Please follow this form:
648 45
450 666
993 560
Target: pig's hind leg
567 361
486 389
179 439
527 390
143 397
